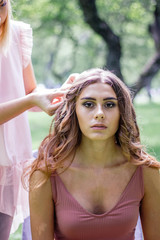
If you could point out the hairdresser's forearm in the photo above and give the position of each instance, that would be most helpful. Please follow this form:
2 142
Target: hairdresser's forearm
13 108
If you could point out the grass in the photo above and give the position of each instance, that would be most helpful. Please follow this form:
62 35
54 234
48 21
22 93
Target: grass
40 123
148 117
17 235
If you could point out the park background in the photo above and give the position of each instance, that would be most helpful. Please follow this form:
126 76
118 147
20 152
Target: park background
74 35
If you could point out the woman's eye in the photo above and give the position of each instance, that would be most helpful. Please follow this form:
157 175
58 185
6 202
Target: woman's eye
88 104
109 104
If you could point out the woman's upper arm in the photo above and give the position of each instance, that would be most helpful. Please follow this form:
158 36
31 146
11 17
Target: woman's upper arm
29 78
150 207
41 209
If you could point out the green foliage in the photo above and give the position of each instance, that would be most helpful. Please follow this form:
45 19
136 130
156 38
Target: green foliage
63 43
40 123
149 122
130 20
17 235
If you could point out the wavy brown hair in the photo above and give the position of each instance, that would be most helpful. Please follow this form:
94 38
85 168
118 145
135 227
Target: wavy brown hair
65 134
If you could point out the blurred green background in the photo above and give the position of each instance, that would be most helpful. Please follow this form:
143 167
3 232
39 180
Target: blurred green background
65 43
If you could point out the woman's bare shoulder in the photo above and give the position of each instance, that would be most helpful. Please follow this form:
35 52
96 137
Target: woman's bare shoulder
151 172
151 178
39 179
150 207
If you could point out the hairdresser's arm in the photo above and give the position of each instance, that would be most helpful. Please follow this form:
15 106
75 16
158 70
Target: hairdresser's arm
150 208
13 108
43 100
41 209
29 79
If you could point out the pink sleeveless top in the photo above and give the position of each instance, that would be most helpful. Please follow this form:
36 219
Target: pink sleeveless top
73 222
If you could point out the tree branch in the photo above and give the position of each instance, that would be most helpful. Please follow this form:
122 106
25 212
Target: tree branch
147 75
153 66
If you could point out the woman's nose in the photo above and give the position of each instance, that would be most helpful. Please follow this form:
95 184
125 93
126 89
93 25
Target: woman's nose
99 113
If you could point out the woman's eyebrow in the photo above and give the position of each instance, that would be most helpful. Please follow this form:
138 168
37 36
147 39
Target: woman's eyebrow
110 98
91 98
88 98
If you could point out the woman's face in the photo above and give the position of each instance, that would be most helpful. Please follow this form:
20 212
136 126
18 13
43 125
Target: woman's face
98 112
3 11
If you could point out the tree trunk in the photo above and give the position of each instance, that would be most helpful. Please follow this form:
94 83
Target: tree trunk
147 75
102 28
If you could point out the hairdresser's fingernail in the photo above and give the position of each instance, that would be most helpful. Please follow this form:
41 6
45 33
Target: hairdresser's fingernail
57 100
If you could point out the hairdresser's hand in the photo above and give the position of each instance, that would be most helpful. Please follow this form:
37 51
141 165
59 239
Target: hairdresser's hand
68 83
48 100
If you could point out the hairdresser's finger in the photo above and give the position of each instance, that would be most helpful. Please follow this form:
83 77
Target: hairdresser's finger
56 91
57 95
68 83
53 108
72 78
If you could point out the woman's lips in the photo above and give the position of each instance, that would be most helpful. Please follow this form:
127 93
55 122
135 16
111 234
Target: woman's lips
98 127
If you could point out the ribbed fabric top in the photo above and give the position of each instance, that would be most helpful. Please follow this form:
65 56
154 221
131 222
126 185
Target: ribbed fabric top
73 222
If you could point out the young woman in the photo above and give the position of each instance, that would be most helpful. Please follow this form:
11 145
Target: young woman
92 177
17 94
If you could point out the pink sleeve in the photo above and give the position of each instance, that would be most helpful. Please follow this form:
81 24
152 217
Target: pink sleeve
26 41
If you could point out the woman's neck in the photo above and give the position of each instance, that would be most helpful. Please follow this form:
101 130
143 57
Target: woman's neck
99 154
